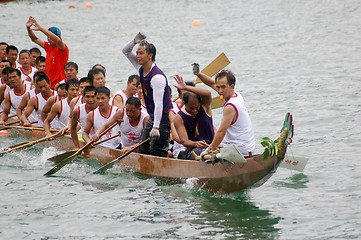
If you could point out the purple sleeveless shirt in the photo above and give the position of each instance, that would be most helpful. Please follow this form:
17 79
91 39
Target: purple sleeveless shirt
148 93
198 128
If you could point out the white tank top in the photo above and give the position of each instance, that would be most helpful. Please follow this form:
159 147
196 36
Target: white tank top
33 116
63 116
82 116
240 132
40 102
177 147
99 120
79 101
122 95
131 134
7 90
25 76
16 99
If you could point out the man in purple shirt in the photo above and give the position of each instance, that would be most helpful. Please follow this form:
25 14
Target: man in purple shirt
156 95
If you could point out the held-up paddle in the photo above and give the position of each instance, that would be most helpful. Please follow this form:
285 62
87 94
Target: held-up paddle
68 159
111 164
210 70
28 144
60 157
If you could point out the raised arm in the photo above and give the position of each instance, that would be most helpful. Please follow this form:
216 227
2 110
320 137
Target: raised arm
205 79
127 49
31 33
204 93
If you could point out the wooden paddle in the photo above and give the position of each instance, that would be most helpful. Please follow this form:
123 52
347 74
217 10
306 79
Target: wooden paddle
210 70
60 157
28 144
13 122
68 159
215 66
28 128
111 164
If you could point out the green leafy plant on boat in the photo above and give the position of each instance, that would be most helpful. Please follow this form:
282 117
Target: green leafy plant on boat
278 147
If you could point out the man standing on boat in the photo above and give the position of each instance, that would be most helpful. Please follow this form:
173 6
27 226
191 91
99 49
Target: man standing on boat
194 122
156 95
57 53
236 127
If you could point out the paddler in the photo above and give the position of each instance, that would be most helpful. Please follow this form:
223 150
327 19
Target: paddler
36 104
13 98
194 122
236 127
156 95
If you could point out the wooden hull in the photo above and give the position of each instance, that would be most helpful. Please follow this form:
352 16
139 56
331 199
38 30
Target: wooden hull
218 178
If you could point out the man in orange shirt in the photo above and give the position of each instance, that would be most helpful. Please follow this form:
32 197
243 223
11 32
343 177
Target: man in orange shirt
57 53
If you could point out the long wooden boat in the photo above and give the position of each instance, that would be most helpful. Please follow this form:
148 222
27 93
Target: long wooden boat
218 178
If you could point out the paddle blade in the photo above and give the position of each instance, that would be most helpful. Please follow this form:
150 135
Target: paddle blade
61 157
215 66
294 163
231 154
60 165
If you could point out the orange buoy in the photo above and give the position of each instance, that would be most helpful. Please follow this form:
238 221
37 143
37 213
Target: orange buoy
71 6
88 5
196 23
4 133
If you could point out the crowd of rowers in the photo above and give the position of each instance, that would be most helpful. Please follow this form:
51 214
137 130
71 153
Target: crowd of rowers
85 108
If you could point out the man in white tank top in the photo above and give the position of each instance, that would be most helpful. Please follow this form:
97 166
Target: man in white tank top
61 110
80 113
59 95
36 103
134 120
121 96
5 87
13 98
27 71
101 115
236 127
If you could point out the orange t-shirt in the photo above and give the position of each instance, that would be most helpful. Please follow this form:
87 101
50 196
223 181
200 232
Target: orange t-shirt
54 63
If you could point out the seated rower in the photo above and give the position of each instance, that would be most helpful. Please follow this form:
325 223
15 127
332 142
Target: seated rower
40 64
134 120
177 106
27 71
24 101
236 127
61 110
36 103
71 72
101 115
5 87
193 123
13 98
121 96
80 113
58 96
